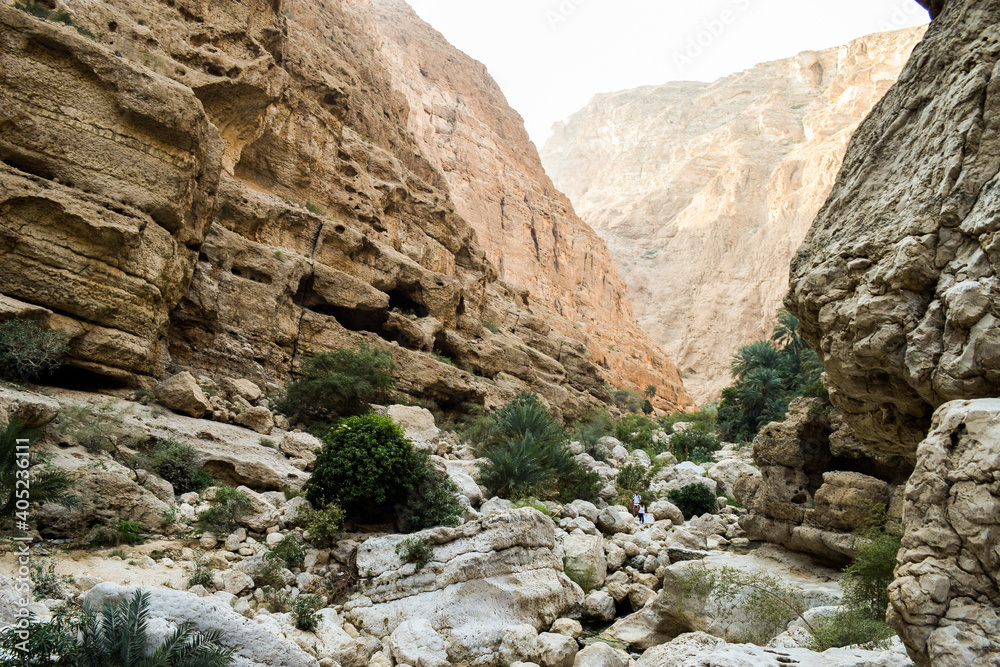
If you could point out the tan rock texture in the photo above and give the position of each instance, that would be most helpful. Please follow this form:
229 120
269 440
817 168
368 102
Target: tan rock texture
816 485
896 283
224 187
704 191
945 603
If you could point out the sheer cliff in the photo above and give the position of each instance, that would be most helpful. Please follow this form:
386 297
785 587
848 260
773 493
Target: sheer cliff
704 191
225 187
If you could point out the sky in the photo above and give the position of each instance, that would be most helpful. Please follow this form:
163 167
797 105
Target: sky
551 56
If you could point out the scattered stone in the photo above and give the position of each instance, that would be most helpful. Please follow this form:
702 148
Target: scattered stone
181 393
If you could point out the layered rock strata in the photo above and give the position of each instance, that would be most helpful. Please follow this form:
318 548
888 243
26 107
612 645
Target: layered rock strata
226 187
895 284
704 191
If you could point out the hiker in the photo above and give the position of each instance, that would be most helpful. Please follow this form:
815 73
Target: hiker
636 501
642 514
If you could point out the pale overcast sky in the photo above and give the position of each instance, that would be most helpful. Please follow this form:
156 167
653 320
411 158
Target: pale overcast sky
551 56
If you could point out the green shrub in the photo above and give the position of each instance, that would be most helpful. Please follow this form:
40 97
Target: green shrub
851 627
589 431
626 399
123 532
47 482
366 464
632 478
27 351
116 635
694 444
635 431
226 508
339 384
694 500
304 608
434 502
323 525
492 326
270 575
177 463
416 550
201 576
288 552
276 599
44 640
45 583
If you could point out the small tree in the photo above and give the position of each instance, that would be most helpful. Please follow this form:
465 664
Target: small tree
225 510
27 351
650 391
339 384
694 500
48 483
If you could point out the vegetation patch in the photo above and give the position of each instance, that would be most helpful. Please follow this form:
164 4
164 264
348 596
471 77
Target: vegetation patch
416 550
27 351
694 500
225 510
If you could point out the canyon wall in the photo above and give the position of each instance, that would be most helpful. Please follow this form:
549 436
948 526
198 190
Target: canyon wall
896 286
224 187
704 191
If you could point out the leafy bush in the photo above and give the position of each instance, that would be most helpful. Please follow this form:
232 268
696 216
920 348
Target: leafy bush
416 550
276 599
48 643
492 326
48 483
851 627
226 508
116 635
626 399
589 432
635 431
323 525
694 500
270 575
45 583
201 576
304 608
288 552
27 351
123 532
632 478
177 463
339 384
694 445
434 502
366 464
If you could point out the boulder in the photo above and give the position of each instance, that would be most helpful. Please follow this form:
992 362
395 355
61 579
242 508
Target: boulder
462 473
585 509
482 577
568 627
262 514
417 423
600 654
415 641
584 561
235 582
243 388
517 643
614 555
303 446
664 510
257 418
555 650
599 606
181 393
251 644
612 521
726 472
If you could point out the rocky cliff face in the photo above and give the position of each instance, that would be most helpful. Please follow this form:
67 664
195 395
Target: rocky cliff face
896 286
704 191
225 187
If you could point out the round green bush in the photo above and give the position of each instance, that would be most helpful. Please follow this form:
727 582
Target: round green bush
366 464
694 500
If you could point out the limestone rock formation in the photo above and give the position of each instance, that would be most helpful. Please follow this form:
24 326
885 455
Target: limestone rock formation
816 483
895 284
481 578
225 187
704 191
945 601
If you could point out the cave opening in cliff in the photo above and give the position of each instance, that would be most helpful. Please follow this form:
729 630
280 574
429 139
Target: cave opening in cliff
399 300
73 377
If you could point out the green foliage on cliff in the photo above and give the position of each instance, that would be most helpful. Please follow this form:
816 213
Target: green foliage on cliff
338 384
27 351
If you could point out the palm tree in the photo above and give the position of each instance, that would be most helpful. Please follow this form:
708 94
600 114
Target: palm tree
761 354
758 390
650 391
785 332
116 637
48 484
